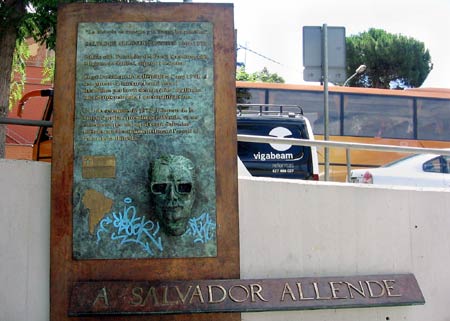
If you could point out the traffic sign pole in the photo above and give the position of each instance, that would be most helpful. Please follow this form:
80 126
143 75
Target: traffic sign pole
325 98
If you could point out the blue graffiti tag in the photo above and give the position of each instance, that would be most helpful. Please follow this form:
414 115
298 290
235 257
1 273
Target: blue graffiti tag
130 228
106 221
201 228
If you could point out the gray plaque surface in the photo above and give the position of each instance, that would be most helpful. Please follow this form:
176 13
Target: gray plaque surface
144 96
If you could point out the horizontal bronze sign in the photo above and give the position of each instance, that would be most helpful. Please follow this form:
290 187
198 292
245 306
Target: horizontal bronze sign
164 297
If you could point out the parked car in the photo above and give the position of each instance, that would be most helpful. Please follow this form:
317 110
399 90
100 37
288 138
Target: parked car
276 160
422 170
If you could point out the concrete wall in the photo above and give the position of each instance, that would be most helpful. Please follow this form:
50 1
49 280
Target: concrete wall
325 229
24 240
287 230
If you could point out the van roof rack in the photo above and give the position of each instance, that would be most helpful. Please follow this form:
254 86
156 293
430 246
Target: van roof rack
268 109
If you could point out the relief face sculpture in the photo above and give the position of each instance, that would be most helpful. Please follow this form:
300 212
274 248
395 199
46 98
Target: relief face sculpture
173 192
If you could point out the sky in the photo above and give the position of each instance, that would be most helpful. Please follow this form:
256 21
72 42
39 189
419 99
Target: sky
273 29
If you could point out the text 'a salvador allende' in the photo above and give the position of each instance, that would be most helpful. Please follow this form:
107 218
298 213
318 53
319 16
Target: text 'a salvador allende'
195 294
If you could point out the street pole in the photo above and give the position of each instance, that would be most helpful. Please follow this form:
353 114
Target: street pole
325 98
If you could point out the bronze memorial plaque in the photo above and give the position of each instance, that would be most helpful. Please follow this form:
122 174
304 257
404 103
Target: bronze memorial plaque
145 98
144 209
144 181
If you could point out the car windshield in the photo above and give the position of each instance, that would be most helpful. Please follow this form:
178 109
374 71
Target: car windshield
399 160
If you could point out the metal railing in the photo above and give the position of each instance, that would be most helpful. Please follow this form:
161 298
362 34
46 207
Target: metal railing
288 141
26 122
347 146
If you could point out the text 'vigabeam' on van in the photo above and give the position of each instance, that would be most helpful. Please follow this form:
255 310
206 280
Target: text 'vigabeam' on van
276 160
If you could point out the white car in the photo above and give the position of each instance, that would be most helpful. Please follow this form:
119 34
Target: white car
422 170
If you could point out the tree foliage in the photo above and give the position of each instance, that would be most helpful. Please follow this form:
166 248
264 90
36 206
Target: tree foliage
391 59
262 76
18 76
48 73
